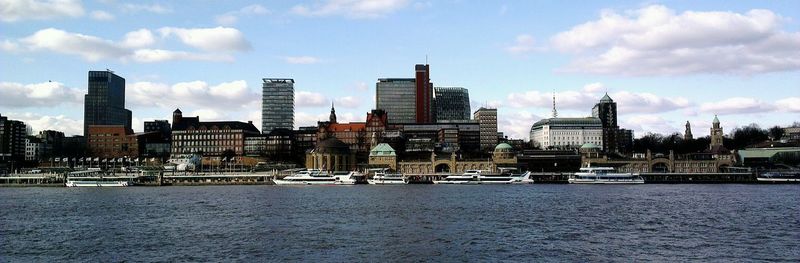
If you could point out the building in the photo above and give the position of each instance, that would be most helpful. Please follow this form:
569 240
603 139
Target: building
687 135
451 104
424 90
444 137
33 147
276 146
74 146
791 134
52 144
105 102
331 154
277 105
624 141
384 156
567 133
12 140
716 135
487 121
211 139
161 126
658 163
606 111
397 97
112 141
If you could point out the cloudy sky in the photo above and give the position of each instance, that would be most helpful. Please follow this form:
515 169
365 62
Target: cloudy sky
664 62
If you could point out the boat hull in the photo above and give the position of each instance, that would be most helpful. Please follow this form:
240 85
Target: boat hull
292 182
577 181
97 184
778 180
379 182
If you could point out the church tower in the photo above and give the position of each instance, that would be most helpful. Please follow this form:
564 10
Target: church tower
716 135
687 135
333 114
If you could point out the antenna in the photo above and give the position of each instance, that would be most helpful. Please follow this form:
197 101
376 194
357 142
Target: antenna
555 112
426 59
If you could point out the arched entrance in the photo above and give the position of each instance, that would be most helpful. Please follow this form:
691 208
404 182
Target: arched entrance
442 168
660 168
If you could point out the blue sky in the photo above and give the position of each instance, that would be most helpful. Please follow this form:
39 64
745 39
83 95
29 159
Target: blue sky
664 62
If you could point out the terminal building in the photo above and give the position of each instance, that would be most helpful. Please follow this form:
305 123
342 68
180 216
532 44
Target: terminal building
567 133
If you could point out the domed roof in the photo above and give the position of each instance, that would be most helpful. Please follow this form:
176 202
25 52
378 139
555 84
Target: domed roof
332 145
589 146
503 147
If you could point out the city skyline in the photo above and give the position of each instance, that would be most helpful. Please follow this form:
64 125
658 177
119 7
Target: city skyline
336 51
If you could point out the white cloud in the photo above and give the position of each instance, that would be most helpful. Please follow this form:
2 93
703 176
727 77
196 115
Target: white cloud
134 45
303 119
629 102
564 99
102 15
222 39
232 17
594 87
301 60
348 102
208 115
45 94
40 122
524 44
516 125
309 99
642 124
790 104
585 98
152 8
736 105
17 10
655 40
351 8
222 97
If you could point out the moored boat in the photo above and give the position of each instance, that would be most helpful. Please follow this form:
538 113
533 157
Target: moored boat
479 177
604 175
317 177
779 177
381 176
95 178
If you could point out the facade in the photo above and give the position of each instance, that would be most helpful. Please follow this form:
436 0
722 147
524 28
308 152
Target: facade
451 104
487 121
397 97
33 148
660 163
424 98
12 140
567 133
331 154
105 102
624 141
52 144
161 126
277 145
446 137
606 111
791 133
277 105
112 141
384 156
191 136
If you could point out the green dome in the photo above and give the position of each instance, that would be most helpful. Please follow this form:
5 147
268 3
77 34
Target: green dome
589 146
503 146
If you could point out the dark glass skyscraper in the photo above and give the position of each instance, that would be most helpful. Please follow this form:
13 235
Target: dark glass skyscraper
398 98
606 110
105 103
277 105
451 104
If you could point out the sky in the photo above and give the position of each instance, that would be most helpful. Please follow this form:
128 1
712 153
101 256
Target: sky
663 62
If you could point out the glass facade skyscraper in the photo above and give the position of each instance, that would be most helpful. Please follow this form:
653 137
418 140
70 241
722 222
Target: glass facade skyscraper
451 104
105 102
397 96
277 105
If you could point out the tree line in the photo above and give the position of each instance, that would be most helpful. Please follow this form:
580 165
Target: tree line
737 139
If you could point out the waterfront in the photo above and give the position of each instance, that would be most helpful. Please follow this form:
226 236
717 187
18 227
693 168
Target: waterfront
402 223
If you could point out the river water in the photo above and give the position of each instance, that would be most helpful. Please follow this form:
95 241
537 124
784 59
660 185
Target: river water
402 223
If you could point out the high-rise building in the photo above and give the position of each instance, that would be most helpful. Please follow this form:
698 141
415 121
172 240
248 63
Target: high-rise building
487 121
424 96
277 108
606 111
451 104
105 102
397 97
12 140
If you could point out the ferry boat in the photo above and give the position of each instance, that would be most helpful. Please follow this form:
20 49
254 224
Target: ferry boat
95 178
604 175
317 177
382 177
779 177
479 177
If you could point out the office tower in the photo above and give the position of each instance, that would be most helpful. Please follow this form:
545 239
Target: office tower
105 102
451 104
277 108
397 96
606 111
424 96
12 140
487 121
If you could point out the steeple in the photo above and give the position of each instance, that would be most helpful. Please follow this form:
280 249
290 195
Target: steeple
555 112
606 99
333 114
687 135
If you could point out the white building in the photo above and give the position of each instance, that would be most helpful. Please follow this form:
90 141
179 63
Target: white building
32 149
566 133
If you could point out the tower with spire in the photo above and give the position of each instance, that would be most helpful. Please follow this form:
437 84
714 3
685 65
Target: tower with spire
333 114
716 135
687 135
606 111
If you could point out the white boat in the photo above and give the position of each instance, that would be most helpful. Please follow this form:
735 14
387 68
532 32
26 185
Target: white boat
604 175
382 177
317 177
95 178
779 177
479 177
